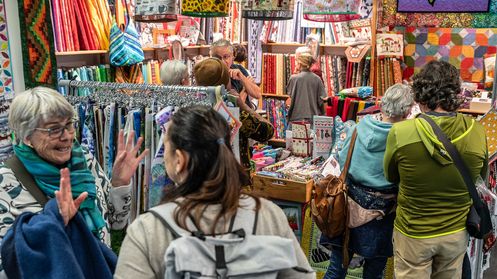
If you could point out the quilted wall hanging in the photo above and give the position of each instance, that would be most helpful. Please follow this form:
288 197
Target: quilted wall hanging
390 16
6 82
432 6
38 51
465 48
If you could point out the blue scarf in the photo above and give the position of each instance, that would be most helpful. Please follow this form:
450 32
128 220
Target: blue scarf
47 177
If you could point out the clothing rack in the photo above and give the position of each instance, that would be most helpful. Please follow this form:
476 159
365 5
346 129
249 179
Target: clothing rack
166 94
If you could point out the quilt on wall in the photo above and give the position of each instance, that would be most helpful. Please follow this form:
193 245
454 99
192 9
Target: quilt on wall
6 82
465 48
390 17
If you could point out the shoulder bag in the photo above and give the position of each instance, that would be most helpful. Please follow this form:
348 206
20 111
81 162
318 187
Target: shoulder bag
478 223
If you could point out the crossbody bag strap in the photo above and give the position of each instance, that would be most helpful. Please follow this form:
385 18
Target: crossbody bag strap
345 171
456 157
26 179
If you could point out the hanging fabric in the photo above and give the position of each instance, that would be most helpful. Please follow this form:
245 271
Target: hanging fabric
205 8
156 10
125 48
331 10
268 9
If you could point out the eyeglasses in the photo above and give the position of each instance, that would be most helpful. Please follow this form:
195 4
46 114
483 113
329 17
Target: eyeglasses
57 132
224 57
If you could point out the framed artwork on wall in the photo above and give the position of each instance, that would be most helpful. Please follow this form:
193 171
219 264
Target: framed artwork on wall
293 212
442 6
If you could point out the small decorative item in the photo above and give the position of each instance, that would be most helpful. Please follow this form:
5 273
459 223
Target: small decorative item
443 6
268 9
301 139
331 10
323 136
205 8
155 10
390 45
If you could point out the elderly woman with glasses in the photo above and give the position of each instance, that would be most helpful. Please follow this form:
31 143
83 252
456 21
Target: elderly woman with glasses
45 149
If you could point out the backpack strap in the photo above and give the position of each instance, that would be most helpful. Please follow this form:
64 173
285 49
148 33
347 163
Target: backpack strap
26 179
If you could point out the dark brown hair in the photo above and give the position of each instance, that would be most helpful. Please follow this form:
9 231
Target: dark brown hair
438 84
214 175
239 53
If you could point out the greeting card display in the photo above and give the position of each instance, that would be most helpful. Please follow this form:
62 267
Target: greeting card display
323 136
301 139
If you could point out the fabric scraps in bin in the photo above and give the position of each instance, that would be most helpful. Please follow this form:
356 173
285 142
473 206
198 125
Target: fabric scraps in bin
37 43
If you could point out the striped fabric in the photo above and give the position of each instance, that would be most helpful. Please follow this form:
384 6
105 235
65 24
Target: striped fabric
125 48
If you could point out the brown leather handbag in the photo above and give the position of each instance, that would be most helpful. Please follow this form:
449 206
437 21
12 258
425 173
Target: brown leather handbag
329 200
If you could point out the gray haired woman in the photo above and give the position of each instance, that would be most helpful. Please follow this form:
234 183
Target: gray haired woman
174 72
369 188
44 125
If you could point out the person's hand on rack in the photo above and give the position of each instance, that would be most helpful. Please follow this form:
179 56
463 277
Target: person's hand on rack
127 159
67 206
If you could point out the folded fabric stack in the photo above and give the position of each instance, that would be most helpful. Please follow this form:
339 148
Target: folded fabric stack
294 168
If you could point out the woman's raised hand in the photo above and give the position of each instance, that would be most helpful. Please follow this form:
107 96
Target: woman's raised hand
127 159
67 206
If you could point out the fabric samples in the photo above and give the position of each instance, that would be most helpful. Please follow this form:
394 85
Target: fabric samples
278 68
277 115
254 56
464 48
389 73
37 43
102 73
89 30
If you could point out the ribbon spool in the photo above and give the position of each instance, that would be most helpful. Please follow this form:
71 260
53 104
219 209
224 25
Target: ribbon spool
155 10
205 8
331 10
268 9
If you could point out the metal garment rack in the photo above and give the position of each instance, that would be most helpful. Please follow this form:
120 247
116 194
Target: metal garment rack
213 94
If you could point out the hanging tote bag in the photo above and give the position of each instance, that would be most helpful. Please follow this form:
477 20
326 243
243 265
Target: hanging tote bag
155 10
205 8
125 48
331 10
268 9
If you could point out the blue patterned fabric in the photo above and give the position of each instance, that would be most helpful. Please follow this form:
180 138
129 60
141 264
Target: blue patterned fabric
125 48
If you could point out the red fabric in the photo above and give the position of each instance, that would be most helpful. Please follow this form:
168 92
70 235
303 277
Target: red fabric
335 106
316 69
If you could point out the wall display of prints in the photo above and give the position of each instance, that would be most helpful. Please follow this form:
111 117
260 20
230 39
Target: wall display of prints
465 48
458 18
390 44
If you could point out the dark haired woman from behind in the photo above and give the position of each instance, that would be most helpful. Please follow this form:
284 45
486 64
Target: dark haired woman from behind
430 236
208 192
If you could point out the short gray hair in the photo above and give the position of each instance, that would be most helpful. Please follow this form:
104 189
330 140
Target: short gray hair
220 43
173 72
397 101
32 107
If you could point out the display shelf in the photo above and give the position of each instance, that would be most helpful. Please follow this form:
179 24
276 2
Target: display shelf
469 111
266 95
81 52
291 47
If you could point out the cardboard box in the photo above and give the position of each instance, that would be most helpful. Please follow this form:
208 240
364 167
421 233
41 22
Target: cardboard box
480 104
283 189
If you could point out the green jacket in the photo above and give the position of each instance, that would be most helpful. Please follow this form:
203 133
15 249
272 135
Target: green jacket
433 199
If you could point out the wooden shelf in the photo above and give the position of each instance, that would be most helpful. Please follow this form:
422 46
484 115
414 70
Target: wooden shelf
275 96
471 111
81 52
299 45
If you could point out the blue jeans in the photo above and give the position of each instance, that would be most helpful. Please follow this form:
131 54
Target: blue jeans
372 269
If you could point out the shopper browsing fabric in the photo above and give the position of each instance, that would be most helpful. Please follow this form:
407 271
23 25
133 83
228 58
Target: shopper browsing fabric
430 237
306 91
174 72
213 72
209 189
369 188
316 66
241 81
44 126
